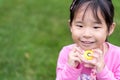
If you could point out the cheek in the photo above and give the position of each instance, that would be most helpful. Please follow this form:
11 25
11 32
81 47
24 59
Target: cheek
75 35
75 31
102 36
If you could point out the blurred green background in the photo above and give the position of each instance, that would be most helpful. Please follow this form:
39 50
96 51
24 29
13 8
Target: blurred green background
32 32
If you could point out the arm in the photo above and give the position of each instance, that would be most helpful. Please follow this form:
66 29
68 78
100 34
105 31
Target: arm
67 73
64 71
106 74
112 69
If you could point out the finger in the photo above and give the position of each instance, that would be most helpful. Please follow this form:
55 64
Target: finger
99 51
89 65
73 59
76 59
93 62
75 56
72 52
98 54
73 49
99 57
83 59
79 50
95 55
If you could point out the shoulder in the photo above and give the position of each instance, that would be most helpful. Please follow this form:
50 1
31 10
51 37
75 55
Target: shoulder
114 47
112 57
63 54
114 50
67 48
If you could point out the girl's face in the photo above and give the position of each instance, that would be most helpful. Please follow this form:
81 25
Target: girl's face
87 32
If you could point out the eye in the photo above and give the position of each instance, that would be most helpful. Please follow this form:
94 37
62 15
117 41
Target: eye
96 27
79 26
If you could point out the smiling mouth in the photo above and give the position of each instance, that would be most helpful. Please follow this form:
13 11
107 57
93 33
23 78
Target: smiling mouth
87 43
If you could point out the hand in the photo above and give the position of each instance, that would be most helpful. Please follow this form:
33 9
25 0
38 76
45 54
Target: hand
74 58
97 61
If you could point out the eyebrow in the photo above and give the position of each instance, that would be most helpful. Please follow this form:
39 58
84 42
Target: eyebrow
96 22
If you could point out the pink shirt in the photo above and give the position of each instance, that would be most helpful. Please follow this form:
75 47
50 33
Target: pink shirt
110 72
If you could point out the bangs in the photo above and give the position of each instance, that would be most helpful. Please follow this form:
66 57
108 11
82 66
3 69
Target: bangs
94 8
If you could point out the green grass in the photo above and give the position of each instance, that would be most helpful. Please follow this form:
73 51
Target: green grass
32 32
114 38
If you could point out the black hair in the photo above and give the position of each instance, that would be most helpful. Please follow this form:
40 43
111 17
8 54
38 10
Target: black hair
105 6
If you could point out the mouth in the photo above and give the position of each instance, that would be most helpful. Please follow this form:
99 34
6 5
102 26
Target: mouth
87 43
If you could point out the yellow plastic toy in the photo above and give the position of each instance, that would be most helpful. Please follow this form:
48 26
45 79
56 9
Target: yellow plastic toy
87 54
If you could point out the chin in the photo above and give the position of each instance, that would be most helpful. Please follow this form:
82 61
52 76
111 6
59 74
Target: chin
87 47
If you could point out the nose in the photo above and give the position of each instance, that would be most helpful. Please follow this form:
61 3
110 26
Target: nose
87 33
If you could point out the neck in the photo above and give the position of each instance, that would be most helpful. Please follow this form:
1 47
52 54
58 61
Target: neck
104 48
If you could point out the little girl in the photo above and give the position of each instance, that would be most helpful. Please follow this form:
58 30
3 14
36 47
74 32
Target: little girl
91 57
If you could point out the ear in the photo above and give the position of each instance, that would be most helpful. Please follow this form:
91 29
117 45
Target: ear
112 27
70 25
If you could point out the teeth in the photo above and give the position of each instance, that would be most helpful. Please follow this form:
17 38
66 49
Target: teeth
87 42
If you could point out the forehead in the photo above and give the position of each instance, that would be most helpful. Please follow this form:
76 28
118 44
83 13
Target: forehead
87 11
